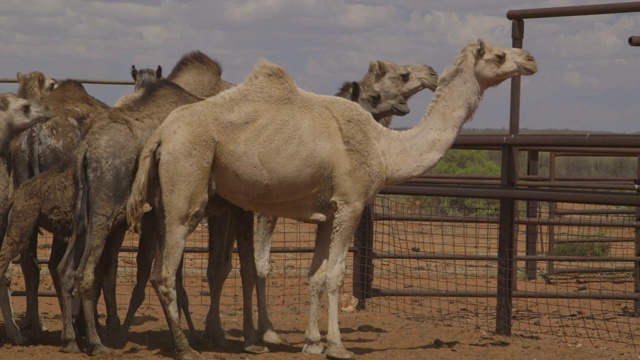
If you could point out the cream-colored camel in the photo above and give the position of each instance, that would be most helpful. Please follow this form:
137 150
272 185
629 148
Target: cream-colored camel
391 80
16 115
332 159
35 85
391 76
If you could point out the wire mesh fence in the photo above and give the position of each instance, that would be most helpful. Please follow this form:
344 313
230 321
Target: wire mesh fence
438 264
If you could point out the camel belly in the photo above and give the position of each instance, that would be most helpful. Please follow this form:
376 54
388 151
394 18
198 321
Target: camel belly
293 199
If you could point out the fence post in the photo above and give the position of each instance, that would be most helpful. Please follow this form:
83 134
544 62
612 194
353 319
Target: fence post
506 232
532 212
363 258
636 264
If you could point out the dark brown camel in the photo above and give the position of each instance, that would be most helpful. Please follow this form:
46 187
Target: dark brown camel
38 149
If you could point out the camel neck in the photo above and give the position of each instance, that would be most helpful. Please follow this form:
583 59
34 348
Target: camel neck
412 152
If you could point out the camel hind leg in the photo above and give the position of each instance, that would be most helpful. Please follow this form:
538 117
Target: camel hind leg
147 251
165 267
265 225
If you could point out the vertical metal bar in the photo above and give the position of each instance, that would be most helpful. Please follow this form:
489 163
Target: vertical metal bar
552 215
363 258
532 212
636 265
506 231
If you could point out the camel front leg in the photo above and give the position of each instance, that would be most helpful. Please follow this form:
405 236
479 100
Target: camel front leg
265 225
317 273
31 272
346 221
21 221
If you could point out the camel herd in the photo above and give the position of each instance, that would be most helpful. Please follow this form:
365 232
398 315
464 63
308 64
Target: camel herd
192 146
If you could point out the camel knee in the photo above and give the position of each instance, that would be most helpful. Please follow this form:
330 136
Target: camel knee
263 269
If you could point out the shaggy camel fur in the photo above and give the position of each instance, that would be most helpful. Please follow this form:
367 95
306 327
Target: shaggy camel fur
106 160
38 149
142 77
35 85
333 163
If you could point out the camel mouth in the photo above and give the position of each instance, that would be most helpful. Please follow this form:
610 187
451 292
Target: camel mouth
401 109
424 84
527 70
430 85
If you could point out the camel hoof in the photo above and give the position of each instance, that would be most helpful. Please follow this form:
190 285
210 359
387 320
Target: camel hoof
272 337
256 349
313 348
70 348
100 349
339 353
189 355
21 341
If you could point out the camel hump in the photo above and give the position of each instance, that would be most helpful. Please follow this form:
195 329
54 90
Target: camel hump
194 59
271 77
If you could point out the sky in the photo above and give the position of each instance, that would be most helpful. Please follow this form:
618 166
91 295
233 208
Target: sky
588 74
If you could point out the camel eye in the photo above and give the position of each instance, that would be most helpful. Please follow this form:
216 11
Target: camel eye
375 100
501 57
26 108
405 77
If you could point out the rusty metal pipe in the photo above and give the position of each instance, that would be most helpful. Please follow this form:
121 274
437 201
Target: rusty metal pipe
599 9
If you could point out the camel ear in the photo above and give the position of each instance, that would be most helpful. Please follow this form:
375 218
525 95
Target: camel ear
40 81
159 72
479 48
355 91
134 72
20 76
377 68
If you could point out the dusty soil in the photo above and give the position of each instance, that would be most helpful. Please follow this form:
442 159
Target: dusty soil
370 336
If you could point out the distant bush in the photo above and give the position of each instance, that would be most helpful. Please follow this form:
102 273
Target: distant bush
582 249
475 162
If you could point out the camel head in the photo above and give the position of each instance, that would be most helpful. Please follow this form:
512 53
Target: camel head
145 76
493 65
405 80
379 104
35 85
18 114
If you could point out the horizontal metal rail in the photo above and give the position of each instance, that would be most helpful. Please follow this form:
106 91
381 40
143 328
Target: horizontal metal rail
581 10
84 81
516 294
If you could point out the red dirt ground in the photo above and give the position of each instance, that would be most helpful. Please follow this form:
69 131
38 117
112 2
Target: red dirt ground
369 335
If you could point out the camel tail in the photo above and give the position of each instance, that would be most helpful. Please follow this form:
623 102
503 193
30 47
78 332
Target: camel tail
138 195
81 216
